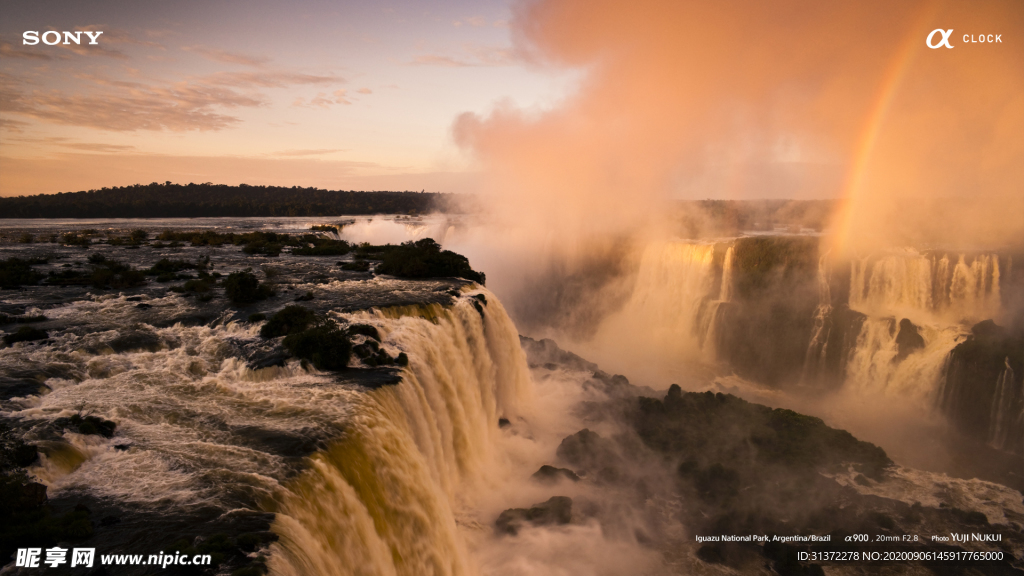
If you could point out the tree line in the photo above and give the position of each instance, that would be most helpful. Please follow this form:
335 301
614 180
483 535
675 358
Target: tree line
167 200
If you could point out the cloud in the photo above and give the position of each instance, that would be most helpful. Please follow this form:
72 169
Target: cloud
177 107
98 147
475 56
364 91
436 60
475 21
310 152
12 125
7 50
270 79
324 100
217 55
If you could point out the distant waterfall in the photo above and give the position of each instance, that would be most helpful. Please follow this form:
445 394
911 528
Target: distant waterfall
707 331
915 285
384 499
817 349
873 367
1007 412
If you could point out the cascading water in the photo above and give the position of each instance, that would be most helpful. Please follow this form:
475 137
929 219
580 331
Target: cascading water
706 331
924 287
386 498
817 350
1007 413
941 297
874 366
666 320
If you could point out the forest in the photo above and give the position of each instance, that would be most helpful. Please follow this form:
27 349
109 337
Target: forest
167 200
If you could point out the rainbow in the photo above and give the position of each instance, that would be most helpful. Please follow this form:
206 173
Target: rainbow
853 187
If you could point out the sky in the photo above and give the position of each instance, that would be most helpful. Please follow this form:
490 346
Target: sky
594 109
337 95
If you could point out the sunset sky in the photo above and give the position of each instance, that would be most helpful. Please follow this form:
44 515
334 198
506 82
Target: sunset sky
330 94
652 98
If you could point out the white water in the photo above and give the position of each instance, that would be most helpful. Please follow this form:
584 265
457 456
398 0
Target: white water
383 499
927 288
663 329
1007 412
814 360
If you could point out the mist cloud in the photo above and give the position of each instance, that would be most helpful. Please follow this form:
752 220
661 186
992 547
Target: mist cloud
693 100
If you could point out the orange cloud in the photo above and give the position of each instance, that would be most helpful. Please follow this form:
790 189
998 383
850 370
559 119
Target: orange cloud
226 57
691 99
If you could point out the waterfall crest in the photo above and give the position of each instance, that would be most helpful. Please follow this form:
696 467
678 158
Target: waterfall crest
385 498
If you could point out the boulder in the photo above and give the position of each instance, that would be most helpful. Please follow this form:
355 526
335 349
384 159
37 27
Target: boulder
550 474
556 511
908 340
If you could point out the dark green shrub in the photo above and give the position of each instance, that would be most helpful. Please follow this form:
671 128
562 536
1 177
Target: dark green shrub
356 266
244 288
325 345
425 259
289 320
262 248
16 272
111 274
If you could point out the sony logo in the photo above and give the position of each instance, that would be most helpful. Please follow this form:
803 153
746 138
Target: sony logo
31 37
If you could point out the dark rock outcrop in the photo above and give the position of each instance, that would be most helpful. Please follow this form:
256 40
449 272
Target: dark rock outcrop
587 451
556 511
908 340
550 474
983 395
135 341
89 425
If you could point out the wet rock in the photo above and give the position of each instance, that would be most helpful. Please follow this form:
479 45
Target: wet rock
984 371
33 495
291 319
550 474
136 340
25 334
908 340
554 512
586 450
503 423
268 359
109 520
20 388
89 425
364 329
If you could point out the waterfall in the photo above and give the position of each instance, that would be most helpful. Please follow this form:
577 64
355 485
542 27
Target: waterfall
1006 418
725 294
385 499
921 287
873 367
817 349
707 331
667 307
